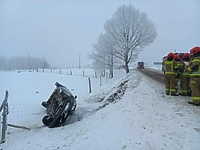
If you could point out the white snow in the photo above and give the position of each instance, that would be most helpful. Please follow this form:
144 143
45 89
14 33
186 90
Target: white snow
140 116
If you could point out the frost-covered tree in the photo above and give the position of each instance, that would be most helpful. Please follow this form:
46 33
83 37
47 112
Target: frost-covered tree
130 31
43 63
98 56
103 55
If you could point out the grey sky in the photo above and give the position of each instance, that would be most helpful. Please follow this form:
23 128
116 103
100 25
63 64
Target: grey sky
59 30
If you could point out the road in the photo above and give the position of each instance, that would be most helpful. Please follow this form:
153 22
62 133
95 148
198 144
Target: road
153 74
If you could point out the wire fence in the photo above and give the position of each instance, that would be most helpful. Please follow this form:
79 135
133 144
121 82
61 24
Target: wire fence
26 115
23 116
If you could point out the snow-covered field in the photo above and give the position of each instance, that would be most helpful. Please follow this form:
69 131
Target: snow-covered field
128 112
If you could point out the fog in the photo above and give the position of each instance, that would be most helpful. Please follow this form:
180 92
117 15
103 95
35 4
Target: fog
61 31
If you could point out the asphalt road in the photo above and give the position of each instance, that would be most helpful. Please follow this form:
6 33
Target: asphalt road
153 74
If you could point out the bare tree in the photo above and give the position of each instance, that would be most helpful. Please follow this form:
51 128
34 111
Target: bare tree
103 55
98 56
130 31
44 64
107 49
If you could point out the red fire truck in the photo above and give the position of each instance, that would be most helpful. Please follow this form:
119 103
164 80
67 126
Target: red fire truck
140 65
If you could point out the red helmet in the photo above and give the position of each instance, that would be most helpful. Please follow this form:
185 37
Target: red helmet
176 57
194 50
170 55
186 55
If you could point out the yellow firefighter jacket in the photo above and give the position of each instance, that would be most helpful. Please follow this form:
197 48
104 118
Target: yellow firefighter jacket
169 67
195 67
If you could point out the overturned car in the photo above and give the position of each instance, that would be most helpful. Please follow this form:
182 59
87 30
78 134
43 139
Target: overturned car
60 106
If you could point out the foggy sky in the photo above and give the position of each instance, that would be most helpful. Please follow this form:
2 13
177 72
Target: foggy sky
60 30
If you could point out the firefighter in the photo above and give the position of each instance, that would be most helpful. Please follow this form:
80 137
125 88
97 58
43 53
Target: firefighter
195 76
185 76
178 68
169 75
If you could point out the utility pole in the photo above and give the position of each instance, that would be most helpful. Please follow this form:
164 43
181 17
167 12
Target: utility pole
79 61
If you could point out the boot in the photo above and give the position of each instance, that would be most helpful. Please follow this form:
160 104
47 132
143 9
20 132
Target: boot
174 94
189 94
183 94
194 103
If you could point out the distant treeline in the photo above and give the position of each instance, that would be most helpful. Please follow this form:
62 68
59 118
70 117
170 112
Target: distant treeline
22 63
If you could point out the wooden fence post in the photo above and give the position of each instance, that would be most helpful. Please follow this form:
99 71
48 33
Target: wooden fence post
100 78
4 106
89 85
83 73
95 74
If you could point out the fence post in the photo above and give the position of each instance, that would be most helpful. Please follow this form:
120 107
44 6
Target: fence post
89 85
4 106
83 73
95 74
100 78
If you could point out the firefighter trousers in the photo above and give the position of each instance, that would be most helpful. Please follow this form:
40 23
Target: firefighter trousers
185 85
195 87
170 84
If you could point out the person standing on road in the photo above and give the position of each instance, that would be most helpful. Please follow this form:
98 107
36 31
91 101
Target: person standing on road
195 76
178 71
169 78
185 76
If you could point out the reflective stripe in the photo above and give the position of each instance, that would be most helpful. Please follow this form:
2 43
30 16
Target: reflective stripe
173 90
195 60
196 98
184 91
179 65
169 72
168 62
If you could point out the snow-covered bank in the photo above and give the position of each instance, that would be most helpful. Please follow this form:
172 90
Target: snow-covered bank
142 117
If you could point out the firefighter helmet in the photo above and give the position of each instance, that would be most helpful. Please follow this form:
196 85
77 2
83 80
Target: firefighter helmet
197 50
176 57
170 55
186 55
194 50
